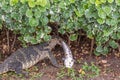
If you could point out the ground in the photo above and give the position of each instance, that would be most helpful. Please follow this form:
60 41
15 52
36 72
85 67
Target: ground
107 67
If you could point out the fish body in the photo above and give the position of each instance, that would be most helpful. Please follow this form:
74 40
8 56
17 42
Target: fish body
68 60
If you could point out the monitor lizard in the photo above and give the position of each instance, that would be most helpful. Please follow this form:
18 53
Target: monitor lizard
25 58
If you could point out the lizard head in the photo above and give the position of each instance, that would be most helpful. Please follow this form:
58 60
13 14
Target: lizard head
54 41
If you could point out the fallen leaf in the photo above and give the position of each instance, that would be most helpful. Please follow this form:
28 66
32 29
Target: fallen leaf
81 71
104 61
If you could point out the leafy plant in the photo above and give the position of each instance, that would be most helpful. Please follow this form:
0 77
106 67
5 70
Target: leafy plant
90 71
98 18
26 17
85 73
69 73
61 74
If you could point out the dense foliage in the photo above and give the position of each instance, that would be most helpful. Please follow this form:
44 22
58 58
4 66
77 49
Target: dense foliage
27 17
99 18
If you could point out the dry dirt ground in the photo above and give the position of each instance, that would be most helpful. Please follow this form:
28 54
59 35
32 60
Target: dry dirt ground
109 65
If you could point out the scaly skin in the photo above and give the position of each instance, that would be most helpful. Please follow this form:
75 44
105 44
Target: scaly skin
26 57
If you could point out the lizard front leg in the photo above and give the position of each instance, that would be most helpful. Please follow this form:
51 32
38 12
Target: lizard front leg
17 67
53 60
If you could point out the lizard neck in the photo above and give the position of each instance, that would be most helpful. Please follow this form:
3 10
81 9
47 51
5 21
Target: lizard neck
52 45
53 42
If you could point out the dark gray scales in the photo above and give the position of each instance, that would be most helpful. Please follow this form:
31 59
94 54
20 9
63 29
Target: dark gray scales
28 52
26 57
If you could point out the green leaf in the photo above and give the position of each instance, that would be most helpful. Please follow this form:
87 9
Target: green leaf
113 44
90 34
23 1
31 3
72 1
33 40
110 1
47 29
14 15
33 21
117 2
27 38
99 49
101 14
108 21
13 2
100 21
88 13
29 13
47 37
43 3
62 5
103 1
114 36
111 22
118 35
31 29
62 31
48 6
73 37
114 22
97 2
5 7
107 32
37 13
0 23
40 35
115 15
92 1
22 10
79 13
44 20
97 53
105 50
107 10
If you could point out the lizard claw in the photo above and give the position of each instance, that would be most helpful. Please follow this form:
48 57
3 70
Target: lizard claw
58 66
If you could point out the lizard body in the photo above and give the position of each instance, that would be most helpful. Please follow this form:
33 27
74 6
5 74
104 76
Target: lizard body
26 57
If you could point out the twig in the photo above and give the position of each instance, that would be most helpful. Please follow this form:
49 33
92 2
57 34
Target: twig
13 42
68 39
118 46
8 41
79 38
92 45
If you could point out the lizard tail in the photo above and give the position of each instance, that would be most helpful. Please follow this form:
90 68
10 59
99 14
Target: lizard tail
3 68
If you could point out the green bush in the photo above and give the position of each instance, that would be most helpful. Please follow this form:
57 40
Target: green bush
99 18
26 17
